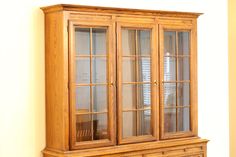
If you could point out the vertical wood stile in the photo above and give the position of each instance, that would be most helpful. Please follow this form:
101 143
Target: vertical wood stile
136 80
119 83
91 78
177 73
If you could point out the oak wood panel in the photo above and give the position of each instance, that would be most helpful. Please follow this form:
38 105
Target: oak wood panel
194 77
89 16
175 21
56 60
173 148
83 8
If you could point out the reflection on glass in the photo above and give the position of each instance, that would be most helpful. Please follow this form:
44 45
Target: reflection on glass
99 98
144 122
169 68
170 94
128 69
129 96
129 124
183 94
83 128
139 95
91 100
170 120
183 119
100 126
135 70
144 44
169 43
82 70
183 43
99 70
183 68
136 123
144 96
128 41
99 41
82 99
82 41
144 69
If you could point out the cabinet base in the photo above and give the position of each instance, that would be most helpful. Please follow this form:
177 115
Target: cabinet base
189 147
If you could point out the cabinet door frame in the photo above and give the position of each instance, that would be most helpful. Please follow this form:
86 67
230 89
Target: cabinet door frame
154 82
193 80
110 83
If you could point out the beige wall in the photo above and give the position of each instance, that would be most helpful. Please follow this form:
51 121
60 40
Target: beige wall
22 101
232 75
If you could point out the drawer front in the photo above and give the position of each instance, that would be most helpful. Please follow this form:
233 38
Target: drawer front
181 151
187 150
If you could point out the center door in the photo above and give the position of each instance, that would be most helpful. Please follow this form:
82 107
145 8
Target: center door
137 82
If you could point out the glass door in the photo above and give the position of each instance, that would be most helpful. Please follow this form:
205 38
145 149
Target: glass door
91 85
177 84
137 83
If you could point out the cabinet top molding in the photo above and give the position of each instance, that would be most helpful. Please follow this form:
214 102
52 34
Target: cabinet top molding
111 10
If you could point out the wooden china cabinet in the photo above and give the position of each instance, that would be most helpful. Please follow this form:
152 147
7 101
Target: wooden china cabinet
121 83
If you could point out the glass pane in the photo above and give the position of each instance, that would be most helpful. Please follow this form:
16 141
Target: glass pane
169 43
82 99
129 96
100 126
183 43
144 44
170 94
99 41
170 120
83 128
139 95
100 98
129 124
99 70
183 94
128 69
82 70
183 68
183 119
144 122
169 68
128 42
144 69
82 41
144 96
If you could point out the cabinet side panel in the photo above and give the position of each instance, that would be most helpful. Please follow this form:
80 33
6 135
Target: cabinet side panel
56 81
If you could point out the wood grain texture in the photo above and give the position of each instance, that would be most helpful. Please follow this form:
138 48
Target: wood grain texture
173 148
83 8
56 58
60 124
